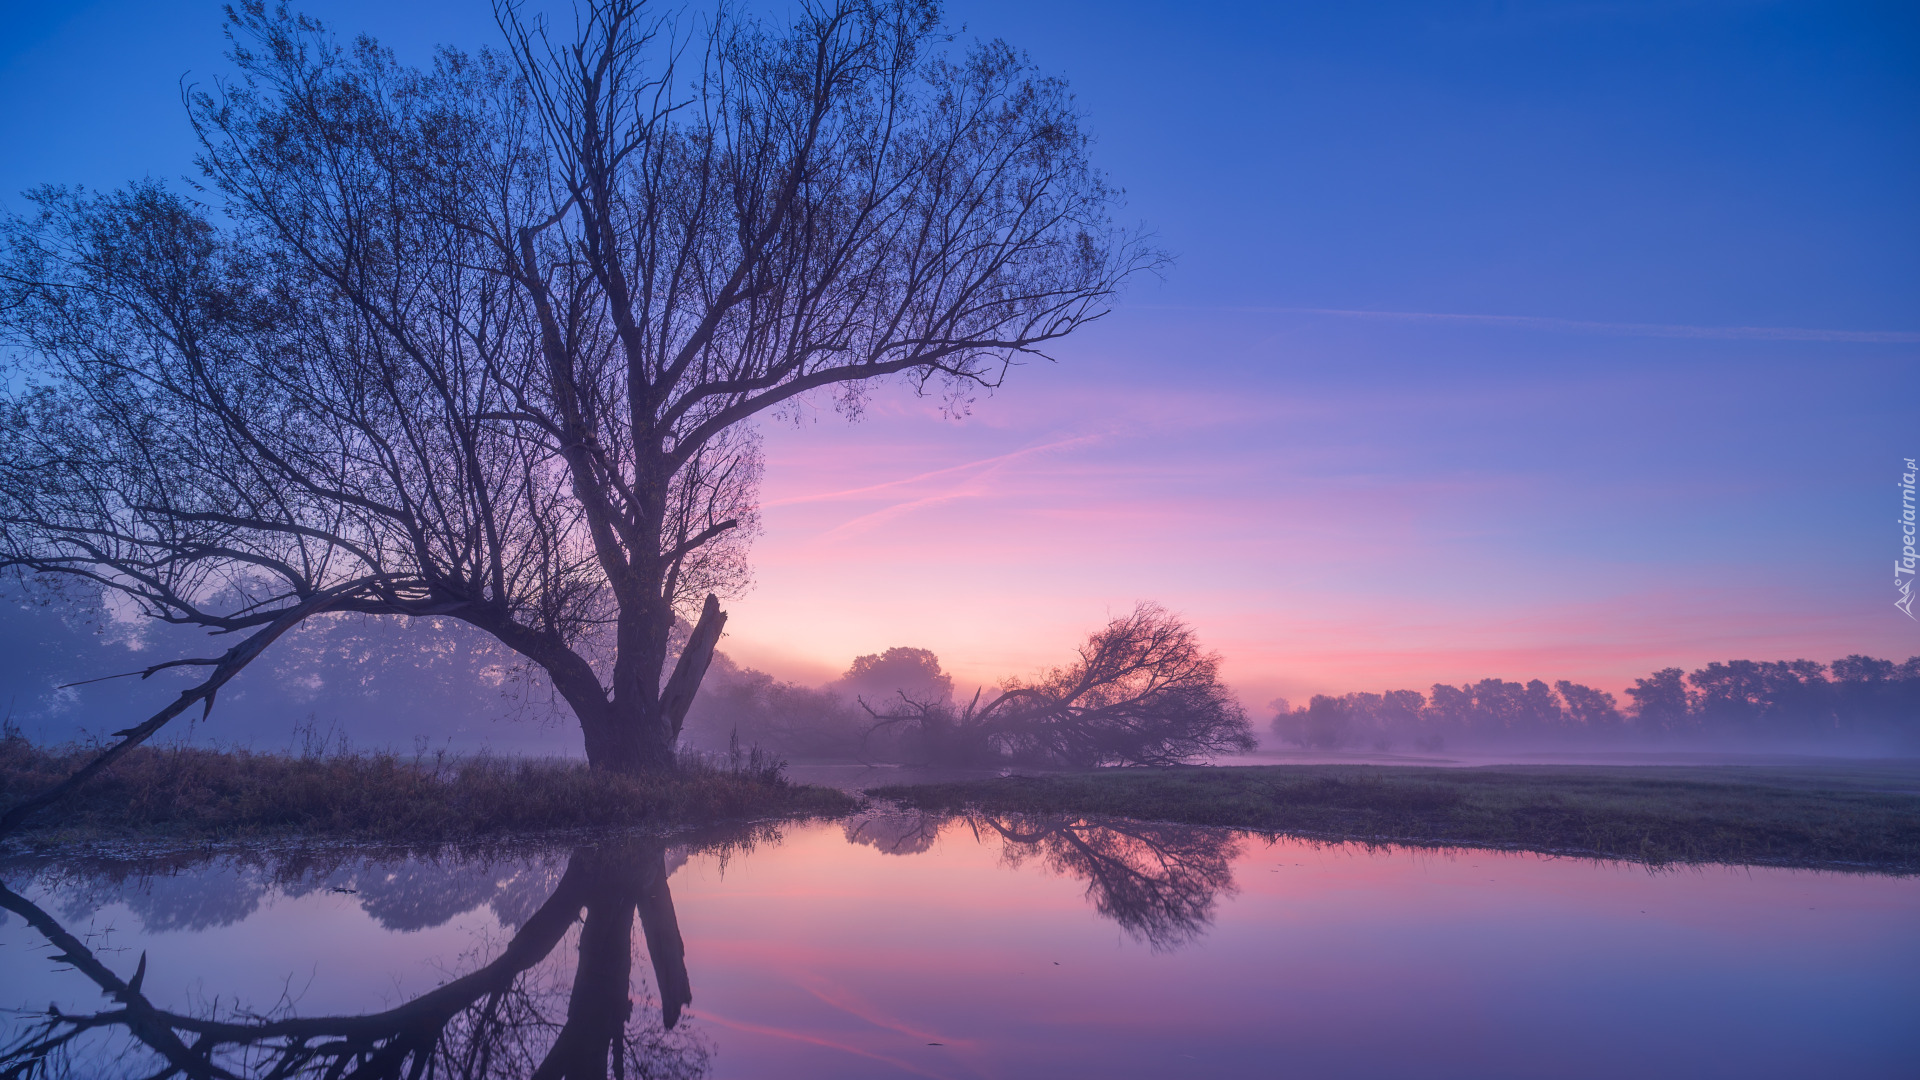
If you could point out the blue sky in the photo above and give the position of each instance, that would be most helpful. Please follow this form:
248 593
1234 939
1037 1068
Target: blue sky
1557 340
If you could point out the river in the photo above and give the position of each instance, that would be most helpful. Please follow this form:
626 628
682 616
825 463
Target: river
896 944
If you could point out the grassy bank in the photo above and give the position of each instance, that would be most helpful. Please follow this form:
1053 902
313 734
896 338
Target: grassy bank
1865 816
192 793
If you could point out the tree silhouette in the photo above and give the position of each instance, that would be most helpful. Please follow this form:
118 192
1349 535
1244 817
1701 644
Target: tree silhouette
1140 691
1857 700
480 341
1661 702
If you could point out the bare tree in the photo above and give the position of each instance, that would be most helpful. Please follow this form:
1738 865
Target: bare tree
1142 691
482 341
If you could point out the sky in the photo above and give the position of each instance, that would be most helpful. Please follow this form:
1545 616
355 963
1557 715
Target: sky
1557 340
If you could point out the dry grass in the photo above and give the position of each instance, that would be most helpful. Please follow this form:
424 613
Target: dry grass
208 794
1865 816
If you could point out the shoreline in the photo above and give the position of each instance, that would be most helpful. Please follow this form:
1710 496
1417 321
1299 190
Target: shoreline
1859 816
186 796
1855 820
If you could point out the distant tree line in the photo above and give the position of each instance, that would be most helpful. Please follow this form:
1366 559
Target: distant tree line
1139 691
1857 700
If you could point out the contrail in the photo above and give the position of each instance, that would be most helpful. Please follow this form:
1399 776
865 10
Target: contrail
849 493
1582 326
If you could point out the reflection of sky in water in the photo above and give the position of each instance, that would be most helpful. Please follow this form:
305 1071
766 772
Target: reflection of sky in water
1039 948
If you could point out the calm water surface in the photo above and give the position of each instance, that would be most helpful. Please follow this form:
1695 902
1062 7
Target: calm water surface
903 945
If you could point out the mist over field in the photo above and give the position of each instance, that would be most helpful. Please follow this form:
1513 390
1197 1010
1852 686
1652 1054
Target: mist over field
436 686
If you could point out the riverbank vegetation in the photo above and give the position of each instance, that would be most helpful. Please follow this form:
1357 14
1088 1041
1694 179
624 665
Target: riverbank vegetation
191 793
1864 816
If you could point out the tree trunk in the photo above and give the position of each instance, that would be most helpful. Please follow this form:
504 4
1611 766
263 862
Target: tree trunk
623 738
677 696
640 734
619 881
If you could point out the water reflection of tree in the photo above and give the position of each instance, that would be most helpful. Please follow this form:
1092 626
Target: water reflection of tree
895 832
1159 882
399 890
512 1017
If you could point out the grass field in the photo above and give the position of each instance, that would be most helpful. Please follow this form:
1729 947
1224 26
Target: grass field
1863 816
207 794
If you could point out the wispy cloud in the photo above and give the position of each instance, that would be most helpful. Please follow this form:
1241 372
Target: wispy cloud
1624 329
966 469
971 480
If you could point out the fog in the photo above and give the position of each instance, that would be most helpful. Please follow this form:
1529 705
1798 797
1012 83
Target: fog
1855 706
394 683
374 682
434 685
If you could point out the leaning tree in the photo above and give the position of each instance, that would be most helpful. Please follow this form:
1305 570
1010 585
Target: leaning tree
1142 691
484 341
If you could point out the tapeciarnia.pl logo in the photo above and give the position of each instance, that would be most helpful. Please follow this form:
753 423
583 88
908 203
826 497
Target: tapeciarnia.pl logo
1905 563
